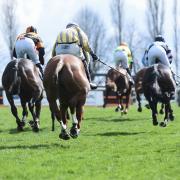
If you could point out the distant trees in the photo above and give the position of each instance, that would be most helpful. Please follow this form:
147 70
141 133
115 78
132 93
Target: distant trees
94 27
9 23
117 14
155 17
176 38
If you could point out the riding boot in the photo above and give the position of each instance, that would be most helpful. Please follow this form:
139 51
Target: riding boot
130 77
174 77
41 74
92 85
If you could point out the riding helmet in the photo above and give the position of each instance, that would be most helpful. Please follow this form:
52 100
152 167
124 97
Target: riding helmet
71 25
31 29
159 38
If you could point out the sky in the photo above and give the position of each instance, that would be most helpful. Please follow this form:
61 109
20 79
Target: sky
50 16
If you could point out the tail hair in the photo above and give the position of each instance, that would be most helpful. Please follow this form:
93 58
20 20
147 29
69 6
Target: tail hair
60 65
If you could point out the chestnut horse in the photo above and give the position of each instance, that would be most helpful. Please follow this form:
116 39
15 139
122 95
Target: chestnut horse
159 86
65 80
21 77
118 82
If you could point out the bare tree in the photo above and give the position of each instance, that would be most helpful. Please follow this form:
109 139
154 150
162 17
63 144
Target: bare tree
155 17
134 41
117 12
9 23
94 27
176 33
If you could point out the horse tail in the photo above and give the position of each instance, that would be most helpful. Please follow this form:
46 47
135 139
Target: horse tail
59 67
15 77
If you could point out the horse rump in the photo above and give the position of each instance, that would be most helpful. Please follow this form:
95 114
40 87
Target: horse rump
159 86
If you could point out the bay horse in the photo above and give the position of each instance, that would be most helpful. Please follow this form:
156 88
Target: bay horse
65 80
159 86
119 83
21 77
138 79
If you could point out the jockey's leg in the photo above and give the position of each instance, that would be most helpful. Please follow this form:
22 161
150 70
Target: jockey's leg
41 70
166 62
86 67
130 77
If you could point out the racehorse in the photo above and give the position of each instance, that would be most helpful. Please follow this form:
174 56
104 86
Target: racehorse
21 77
65 80
159 86
138 86
139 90
119 82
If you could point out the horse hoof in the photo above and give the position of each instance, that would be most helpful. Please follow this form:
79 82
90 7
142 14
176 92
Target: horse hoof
139 109
31 123
117 110
161 111
23 123
155 123
171 117
147 106
74 133
19 128
162 124
36 129
64 135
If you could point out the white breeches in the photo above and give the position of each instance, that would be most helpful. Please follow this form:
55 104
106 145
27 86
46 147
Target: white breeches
121 58
25 46
157 53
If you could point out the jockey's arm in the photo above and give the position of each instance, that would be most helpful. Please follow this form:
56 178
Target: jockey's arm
41 55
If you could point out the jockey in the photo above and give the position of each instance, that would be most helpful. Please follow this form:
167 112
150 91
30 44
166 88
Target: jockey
31 45
159 51
74 41
123 57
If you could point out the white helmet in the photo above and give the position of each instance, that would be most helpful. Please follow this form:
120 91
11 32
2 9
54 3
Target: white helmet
71 25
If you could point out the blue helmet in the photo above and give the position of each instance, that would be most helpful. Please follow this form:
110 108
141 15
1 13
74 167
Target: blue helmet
71 25
159 38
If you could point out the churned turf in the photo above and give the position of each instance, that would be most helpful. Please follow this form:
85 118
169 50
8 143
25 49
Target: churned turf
109 147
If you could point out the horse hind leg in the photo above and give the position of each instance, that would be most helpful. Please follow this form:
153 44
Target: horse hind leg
24 112
171 115
153 106
139 102
166 117
74 132
64 133
127 104
33 123
161 111
79 115
14 111
37 115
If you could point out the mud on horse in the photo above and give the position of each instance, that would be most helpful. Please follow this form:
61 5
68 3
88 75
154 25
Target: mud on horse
159 86
21 77
65 80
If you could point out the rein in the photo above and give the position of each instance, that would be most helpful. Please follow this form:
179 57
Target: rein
110 67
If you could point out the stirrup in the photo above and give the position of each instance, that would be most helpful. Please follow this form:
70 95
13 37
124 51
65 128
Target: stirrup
93 86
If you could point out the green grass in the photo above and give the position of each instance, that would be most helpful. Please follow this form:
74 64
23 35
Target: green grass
109 147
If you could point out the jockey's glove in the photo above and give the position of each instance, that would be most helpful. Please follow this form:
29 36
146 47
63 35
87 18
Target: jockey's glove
95 58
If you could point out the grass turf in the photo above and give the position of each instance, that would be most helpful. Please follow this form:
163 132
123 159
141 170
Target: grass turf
109 147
